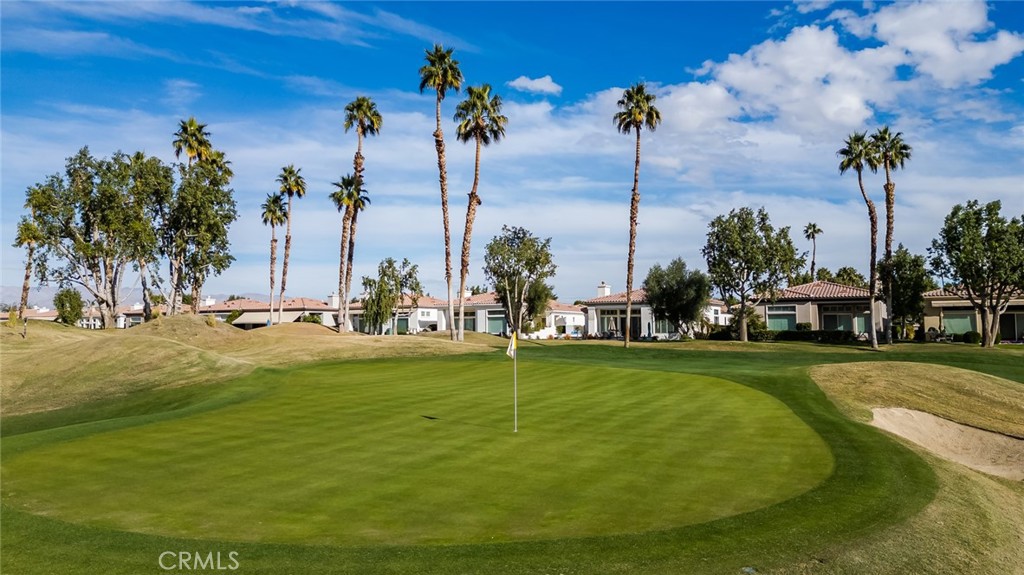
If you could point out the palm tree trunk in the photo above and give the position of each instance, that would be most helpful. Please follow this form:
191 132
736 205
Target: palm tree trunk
814 255
474 201
25 285
442 171
284 265
351 257
634 212
873 281
342 279
273 264
890 205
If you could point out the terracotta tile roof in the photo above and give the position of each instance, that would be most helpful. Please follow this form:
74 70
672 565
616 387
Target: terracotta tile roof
822 290
299 303
639 297
564 307
424 301
240 304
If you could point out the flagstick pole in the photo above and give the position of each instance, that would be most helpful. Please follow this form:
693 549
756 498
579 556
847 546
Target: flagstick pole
515 391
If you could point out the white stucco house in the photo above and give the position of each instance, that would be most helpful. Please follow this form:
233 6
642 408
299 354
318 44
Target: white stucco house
606 316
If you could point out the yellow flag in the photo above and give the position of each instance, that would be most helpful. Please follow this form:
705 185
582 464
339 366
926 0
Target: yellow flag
511 351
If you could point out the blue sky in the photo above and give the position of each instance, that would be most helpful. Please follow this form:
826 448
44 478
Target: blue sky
756 98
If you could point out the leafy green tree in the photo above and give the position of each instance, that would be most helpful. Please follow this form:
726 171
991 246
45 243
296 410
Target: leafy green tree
890 152
849 276
480 120
68 303
636 111
811 233
906 275
824 275
856 155
677 294
514 263
983 254
88 228
273 216
292 185
442 73
384 294
151 186
748 259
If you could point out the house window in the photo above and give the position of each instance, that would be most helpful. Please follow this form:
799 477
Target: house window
960 322
781 317
663 326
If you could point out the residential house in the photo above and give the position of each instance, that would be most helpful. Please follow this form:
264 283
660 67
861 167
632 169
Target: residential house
606 316
824 305
947 311
255 313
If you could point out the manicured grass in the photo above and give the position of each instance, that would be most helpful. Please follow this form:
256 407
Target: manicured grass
875 486
423 452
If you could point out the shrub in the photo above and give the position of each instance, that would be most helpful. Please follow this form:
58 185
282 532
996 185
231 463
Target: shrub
312 318
68 303
211 320
762 335
12 319
958 338
803 326
972 337
720 335
233 316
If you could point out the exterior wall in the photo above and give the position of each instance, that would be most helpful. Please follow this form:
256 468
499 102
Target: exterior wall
937 312
814 312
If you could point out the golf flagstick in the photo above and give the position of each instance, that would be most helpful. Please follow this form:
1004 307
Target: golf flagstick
512 352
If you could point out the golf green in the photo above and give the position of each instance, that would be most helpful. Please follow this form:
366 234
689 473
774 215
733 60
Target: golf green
422 451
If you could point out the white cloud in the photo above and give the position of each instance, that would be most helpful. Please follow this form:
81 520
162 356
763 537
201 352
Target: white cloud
542 85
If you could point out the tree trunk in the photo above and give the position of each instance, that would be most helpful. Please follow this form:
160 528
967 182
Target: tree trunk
147 300
342 280
442 171
284 265
873 281
474 201
349 260
814 255
743 318
273 264
634 211
25 287
890 205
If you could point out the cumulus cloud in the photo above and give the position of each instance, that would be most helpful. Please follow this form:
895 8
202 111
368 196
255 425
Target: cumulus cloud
542 85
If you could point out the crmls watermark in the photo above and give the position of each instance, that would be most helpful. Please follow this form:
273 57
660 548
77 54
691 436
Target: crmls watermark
196 561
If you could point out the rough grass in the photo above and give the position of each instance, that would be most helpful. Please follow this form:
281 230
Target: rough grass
967 397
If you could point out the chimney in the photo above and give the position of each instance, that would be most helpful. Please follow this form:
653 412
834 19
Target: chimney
209 301
466 294
334 300
604 289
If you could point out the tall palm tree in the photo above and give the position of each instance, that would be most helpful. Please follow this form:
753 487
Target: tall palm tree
480 119
889 152
357 201
342 198
856 156
273 216
362 114
193 139
441 73
292 185
637 111
811 232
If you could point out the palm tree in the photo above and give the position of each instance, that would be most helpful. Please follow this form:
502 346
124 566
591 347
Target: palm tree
479 117
362 113
811 232
890 152
292 184
441 74
273 215
636 112
193 139
357 202
342 198
27 236
855 156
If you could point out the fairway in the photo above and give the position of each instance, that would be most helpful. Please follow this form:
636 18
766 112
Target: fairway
421 451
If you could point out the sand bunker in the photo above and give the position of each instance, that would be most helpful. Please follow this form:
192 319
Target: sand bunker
984 451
